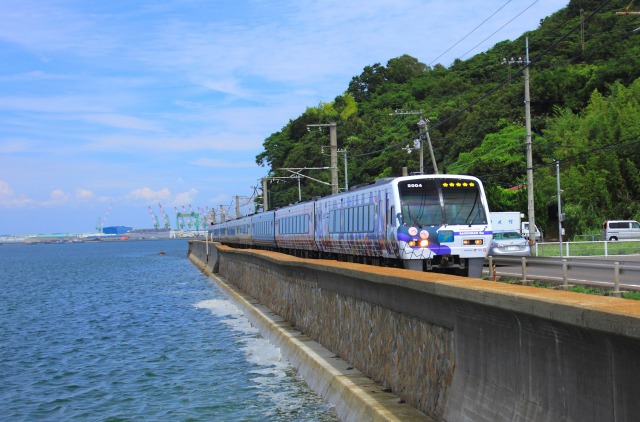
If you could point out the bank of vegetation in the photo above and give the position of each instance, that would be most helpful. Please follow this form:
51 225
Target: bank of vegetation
585 110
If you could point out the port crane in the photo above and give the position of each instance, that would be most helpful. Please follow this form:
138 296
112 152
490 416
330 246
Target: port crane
101 221
165 217
189 216
154 218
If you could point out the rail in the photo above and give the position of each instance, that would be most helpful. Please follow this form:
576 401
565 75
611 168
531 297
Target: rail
615 267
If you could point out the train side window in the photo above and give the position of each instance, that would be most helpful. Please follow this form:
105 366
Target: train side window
347 220
352 220
365 223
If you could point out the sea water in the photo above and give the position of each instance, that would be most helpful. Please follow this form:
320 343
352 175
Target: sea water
132 331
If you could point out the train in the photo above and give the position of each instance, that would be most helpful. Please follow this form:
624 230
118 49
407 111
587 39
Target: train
422 222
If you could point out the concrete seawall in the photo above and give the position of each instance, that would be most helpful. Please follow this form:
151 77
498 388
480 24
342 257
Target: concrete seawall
454 348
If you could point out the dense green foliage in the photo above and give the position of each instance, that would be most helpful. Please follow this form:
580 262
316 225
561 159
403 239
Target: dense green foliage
585 95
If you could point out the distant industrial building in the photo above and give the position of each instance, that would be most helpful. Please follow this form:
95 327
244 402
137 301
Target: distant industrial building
118 230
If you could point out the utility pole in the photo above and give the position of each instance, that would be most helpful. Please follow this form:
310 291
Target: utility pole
265 202
527 107
333 139
560 215
423 128
346 172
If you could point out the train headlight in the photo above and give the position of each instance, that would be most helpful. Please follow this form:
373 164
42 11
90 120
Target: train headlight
467 242
418 243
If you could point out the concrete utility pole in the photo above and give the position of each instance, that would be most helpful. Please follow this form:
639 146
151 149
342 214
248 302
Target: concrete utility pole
265 202
238 215
560 215
346 172
423 128
333 139
527 106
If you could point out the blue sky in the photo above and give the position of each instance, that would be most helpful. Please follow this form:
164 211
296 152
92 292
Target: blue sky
121 105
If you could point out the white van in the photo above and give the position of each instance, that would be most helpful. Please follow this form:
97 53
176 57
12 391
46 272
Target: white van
620 230
525 231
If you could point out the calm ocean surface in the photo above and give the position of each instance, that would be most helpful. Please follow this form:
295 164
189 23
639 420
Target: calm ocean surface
117 331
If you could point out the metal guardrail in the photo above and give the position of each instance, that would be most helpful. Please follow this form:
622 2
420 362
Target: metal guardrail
616 268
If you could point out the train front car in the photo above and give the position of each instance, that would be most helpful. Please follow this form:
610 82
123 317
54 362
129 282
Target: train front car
442 223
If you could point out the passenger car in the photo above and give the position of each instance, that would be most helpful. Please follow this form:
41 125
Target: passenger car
509 243
620 230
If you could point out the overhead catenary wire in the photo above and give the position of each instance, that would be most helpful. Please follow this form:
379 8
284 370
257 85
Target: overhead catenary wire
496 88
570 158
496 31
470 32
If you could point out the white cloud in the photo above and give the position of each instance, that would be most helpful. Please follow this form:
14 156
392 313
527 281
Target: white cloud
9 199
187 197
83 194
10 146
150 195
123 122
175 143
226 86
51 104
57 197
5 190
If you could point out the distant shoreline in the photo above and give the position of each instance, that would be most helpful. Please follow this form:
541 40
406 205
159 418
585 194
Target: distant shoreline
134 235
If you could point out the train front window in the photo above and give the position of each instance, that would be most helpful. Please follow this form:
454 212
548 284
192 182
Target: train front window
420 202
463 202
435 202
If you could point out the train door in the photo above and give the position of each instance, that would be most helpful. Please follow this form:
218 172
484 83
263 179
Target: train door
390 226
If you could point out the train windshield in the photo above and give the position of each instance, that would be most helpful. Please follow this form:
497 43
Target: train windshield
443 201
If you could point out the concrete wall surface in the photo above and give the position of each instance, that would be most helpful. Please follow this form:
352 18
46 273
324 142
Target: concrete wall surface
457 349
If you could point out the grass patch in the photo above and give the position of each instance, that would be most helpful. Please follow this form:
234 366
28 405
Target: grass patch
588 290
509 280
542 284
631 295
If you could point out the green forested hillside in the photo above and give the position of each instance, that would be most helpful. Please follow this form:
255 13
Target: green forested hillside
585 110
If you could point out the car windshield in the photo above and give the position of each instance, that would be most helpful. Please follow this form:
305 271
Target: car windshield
506 236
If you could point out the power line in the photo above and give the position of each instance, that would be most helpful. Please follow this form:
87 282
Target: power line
471 32
499 86
569 158
518 15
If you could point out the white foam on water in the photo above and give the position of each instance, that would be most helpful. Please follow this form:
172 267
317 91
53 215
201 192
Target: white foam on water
274 377
257 349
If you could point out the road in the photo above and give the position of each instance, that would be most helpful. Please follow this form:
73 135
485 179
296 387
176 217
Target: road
595 271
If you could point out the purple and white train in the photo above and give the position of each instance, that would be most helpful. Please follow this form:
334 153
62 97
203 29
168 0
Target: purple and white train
425 223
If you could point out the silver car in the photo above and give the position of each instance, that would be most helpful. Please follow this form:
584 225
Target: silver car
509 243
